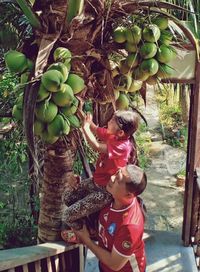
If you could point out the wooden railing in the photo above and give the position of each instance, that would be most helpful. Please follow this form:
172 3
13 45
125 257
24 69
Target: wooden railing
195 224
47 257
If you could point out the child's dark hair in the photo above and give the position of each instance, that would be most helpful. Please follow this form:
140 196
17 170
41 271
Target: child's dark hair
128 121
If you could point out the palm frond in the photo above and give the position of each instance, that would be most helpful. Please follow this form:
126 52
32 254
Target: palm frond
29 13
8 37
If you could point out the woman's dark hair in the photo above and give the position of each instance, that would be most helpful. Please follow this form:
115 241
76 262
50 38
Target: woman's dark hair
128 121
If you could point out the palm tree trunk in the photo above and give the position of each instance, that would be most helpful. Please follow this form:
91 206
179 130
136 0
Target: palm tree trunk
58 163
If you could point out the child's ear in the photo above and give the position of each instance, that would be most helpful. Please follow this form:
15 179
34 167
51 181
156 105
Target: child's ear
121 133
130 195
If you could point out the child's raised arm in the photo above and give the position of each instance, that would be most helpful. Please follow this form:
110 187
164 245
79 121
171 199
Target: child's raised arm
89 129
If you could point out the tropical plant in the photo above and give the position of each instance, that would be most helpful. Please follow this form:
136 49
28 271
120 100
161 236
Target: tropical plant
14 28
8 93
191 19
143 141
85 28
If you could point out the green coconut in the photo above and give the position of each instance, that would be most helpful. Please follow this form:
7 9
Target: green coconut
149 66
165 53
151 33
161 22
16 62
76 83
140 75
165 37
122 103
132 48
52 80
123 82
68 65
132 60
38 127
135 86
133 34
164 71
17 113
120 82
48 138
74 121
148 50
70 110
61 67
59 126
62 54
123 67
46 111
42 93
64 97
119 35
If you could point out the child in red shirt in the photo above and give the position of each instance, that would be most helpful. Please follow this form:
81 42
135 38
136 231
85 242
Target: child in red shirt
114 147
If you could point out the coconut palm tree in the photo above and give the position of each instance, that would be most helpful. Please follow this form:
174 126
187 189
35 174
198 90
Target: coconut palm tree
84 27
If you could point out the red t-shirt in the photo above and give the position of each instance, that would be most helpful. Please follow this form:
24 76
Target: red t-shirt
117 156
122 230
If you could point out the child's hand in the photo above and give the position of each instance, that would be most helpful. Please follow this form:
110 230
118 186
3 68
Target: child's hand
80 112
89 117
87 120
83 234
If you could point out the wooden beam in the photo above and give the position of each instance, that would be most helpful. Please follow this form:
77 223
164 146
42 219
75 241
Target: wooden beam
14 257
25 268
192 157
49 266
178 80
81 259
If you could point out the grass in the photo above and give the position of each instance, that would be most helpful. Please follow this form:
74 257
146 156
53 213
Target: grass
173 129
143 142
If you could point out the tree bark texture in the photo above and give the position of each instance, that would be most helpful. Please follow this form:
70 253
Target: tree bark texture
58 163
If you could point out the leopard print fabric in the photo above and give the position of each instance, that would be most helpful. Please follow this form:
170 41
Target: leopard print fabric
80 203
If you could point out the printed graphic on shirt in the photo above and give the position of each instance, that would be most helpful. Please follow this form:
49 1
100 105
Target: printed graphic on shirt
101 164
126 244
112 228
105 217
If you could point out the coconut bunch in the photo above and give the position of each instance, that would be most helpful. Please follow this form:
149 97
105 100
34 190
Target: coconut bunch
56 101
17 63
146 52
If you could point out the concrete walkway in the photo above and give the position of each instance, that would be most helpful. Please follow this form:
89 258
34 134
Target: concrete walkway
164 201
165 253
